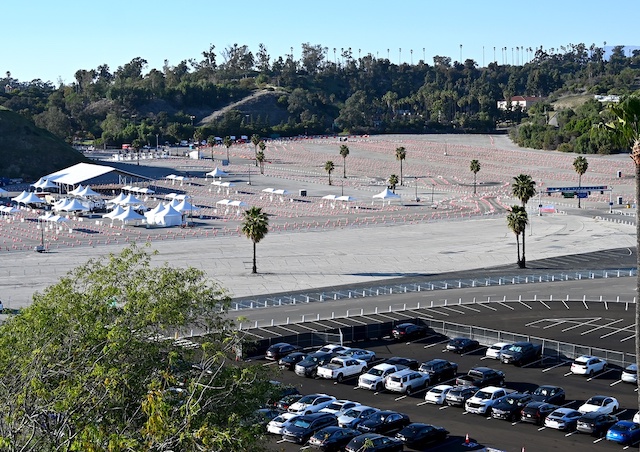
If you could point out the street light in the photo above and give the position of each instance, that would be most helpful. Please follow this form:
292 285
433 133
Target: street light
432 186
417 199
249 183
156 142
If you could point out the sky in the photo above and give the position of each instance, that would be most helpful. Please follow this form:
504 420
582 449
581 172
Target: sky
50 40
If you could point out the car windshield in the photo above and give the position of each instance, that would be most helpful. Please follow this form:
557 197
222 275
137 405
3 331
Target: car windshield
335 406
279 419
352 413
436 391
483 395
541 391
580 361
307 399
515 348
376 372
599 401
302 423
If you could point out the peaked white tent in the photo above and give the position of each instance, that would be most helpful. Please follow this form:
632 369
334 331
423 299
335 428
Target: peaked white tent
217 172
20 196
30 198
114 213
43 184
153 212
185 206
3 192
76 190
129 215
387 195
117 199
129 200
87 192
168 217
74 206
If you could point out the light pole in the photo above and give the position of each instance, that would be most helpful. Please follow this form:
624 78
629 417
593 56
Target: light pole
342 187
249 183
610 201
417 199
432 186
156 142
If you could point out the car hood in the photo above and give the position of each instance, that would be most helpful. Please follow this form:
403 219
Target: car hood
586 408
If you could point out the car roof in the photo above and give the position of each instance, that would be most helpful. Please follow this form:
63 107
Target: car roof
585 358
564 410
500 344
405 371
435 360
491 388
442 387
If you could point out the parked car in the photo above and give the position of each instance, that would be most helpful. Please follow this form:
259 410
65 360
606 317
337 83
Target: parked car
509 407
332 348
630 374
437 394
521 353
375 377
311 403
563 419
384 422
588 365
496 350
549 394
406 381
536 412
359 353
289 362
284 403
351 417
624 432
407 331
458 395
412 364
337 407
462 345
482 376
340 367
599 404
372 442
484 399
596 424
276 424
439 370
308 367
331 439
280 350
303 427
419 436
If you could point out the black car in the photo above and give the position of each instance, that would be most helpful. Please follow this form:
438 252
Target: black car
549 394
406 362
303 427
439 370
458 395
377 443
284 403
332 438
289 362
278 391
595 423
481 377
510 406
462 345
536 412
384 422
406 331
280 350
420 435
308 367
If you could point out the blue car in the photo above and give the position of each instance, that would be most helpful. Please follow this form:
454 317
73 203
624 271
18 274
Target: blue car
624 432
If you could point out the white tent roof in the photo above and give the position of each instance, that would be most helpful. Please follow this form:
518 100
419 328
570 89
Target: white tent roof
3 191
269 190
114 213
53 218
20 196
387 194
330 197
224 202
44 183
76 190
185 206
86 192
74 206
8 210
217 173
117 199
30 198
61 204
130 199
129 215
345 198
280 191
81 172
238 204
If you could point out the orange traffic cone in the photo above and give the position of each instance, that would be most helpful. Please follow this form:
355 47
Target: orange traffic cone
466 439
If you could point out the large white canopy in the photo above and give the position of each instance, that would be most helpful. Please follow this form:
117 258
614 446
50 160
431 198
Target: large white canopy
43 184
114 213
184 206
117 199
8 210
129 200
74 206
387 194
217 172
20 196
87 192
167 217
28 198
129 215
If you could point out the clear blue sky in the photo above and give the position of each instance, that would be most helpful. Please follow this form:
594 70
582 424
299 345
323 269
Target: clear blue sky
51 40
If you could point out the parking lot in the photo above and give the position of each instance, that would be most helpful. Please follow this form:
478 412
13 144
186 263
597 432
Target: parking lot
501 435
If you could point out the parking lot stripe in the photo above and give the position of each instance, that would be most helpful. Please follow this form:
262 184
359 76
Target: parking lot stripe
626 328
601 326
554 324
545 304
541 428
535 322
454 310
557 365
469 308
627 338
485 305
596 441
436 343
524 304
443 407
565 304
422 403
505 305
581 324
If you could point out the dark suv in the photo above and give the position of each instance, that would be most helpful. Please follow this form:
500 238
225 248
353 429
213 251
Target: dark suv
303 428
481 377
510 406
439 370
308 367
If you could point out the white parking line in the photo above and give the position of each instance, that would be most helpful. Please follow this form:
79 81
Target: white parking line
485 305
454 310
601 326
600 374
534 362
627 338
569 434
565 304
401 397
436 343
568 373
626 328
469 308
443 407
615 382
545 304
596 441
581 324
553 367
525 304
422 403
541 428
535 321
506 305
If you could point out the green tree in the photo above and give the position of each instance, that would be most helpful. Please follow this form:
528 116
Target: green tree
475 168
91 365
393 181
581 165
255 140
401 154
329 167
255 226
517 221
260 157
344 151
523 188
227 143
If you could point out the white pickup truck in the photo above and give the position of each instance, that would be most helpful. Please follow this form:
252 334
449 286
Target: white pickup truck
376 377
342 367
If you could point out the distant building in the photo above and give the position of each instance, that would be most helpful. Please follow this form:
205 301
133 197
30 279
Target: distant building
523 101
607 99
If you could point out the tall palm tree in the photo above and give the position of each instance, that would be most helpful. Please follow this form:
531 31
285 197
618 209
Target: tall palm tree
260 159
475 167
401 154
517 220
344 151
329 167
227 142
523 188
393 181
255 225
626 130
581 165
255 140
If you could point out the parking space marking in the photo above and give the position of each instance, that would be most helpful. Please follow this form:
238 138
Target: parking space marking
626 328
524 304
469 308
422 403
534 362
505 305
541 428
557 365
473 351
486 305
436 343
606 325
454 310
600 374
443 407
565 304
533 324
383 315
560 322
596 441
545 305
581 324
627 338
615 382
569 434
568 373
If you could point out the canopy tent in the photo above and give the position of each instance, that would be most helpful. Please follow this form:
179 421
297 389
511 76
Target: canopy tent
117 199
129 215
44 184
76 190
8 210
223 202
184 206
29 198
60 204
53 218
388 195
74 206
20 196
330 197
130 200
217 172
144 191
269 190
280 191
345 198
87 192
153 212
167 217
3 192
114 213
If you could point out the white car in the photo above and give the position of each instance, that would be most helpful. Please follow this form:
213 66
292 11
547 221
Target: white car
406 381
279 422
350 418
588 365
599 404
333 348
338 407
341 367
636 418
375 378
496 350
311 403
359 353
630 374
484 399
437 394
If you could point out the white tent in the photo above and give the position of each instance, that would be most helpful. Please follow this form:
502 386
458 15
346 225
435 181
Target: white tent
217 172
20 196
129 215
129 200
387 195
76 190
223 202
117 199
74 206
345 198
330 197
280 191
185 206
43 184
153 212
87 192
30 198
61 204
114 213
3 192
8 210
168 217
269 190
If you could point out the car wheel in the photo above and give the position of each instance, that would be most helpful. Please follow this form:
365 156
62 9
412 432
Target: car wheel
379 387
604 368
339 378
313 373
408 391
591 373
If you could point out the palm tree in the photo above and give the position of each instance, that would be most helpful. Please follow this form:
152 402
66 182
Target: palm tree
210 142
393 181
255 226
329 167
227 142
260 159
626 130
517 220
344 151
255 140
475 167
401 154
581 165
523 188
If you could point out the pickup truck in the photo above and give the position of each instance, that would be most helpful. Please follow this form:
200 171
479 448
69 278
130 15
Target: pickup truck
481 377
340 367
376 377
520 353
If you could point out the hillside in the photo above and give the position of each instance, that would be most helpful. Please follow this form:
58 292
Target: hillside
263 104
28 152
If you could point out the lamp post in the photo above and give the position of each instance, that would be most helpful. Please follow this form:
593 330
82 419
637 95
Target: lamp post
342 187
249 183
417 199
432 187
157 142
